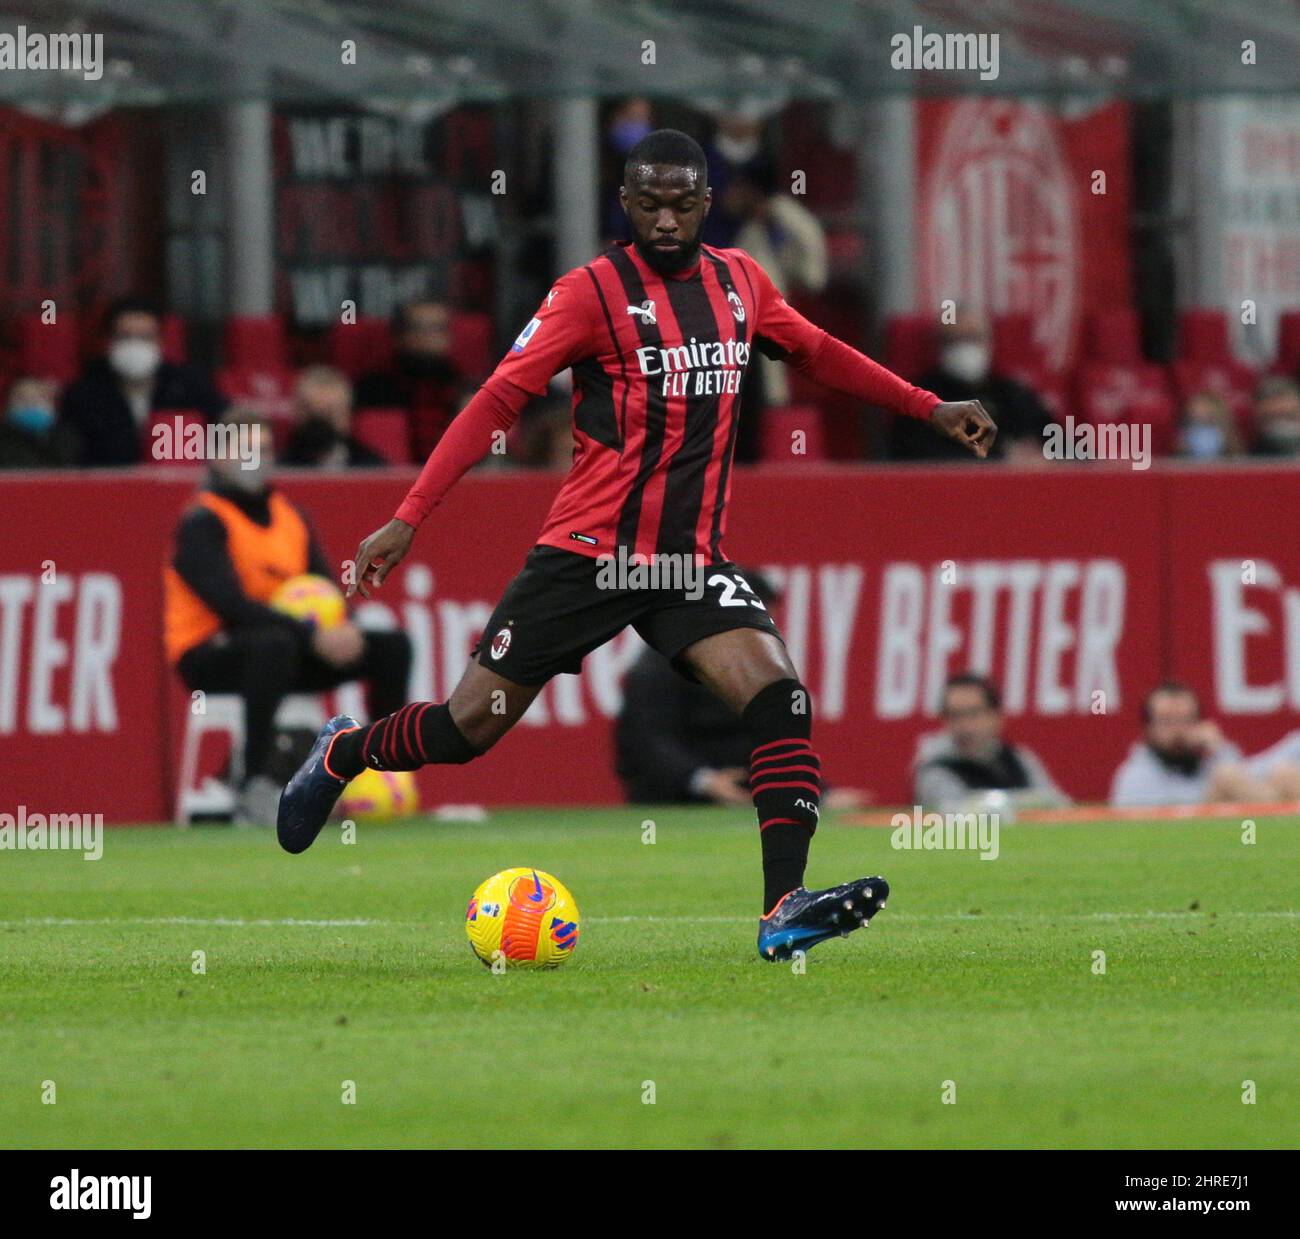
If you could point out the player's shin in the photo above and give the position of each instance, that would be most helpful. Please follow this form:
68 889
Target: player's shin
785 781
419 734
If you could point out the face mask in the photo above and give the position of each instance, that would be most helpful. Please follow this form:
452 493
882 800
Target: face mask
134 359
967 360
736 150
1203 440
34 419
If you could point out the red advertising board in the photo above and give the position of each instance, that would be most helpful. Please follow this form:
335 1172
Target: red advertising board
1077 588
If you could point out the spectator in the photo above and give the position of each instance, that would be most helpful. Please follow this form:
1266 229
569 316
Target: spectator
322 436
1181 758
676 742
965 372
1208 431
30 436
108 407
788 242
424 379
1277 417
235 545
971 756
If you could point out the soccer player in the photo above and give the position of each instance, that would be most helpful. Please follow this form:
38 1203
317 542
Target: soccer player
659 333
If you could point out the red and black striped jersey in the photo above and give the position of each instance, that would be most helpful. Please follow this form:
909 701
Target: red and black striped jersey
657 362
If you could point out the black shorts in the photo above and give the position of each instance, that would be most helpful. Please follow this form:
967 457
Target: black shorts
554 613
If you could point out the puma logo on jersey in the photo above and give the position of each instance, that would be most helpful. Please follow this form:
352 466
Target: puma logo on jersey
647 311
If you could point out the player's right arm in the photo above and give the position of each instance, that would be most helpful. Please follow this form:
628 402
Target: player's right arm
564 330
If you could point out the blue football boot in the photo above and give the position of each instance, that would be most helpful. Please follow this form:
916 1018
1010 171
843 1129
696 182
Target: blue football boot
803 918
309 797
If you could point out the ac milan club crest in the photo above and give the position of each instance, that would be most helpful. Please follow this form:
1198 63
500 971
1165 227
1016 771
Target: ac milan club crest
737 306
501 643
999 221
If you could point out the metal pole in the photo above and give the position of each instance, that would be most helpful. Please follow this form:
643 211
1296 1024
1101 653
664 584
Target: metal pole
250 220
577 183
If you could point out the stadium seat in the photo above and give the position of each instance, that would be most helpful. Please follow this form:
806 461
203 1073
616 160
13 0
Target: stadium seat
909 344
1288 344
256 342
386 431
1205 364
1136 393
174 342
361 347
1113 337
1014 346
471 344
777 437
49 350
224 714
269 392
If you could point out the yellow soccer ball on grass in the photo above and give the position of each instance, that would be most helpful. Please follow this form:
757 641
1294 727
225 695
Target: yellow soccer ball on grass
523 918
311 597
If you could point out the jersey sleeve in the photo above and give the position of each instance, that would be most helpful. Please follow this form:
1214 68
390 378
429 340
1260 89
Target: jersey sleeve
783 333
564 330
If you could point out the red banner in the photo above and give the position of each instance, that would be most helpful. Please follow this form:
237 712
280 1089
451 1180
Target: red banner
1077 588
1007 191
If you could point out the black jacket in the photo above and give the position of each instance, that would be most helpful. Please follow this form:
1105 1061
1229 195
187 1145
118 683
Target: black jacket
97 413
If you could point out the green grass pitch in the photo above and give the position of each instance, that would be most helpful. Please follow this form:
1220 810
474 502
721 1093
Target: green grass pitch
350 963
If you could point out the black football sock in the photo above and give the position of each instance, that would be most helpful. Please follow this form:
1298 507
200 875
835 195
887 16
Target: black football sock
785 782
419 734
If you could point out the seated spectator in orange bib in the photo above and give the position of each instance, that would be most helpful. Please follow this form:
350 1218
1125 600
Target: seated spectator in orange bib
236 544
108 408
322 433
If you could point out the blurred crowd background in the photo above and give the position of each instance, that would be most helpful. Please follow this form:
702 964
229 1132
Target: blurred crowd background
338 214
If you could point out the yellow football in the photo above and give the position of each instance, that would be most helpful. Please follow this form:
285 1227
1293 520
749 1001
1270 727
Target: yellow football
311 597
522 918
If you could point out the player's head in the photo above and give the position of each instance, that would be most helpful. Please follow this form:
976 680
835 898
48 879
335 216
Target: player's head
666 196
1170 714
972 712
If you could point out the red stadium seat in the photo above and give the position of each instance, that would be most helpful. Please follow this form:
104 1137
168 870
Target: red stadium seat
1203 336
909 344
1136 393
256 342
1288 344
361 347
1014 346
49 350
777 441
385 431
269 392
174 347
471 344
1114 338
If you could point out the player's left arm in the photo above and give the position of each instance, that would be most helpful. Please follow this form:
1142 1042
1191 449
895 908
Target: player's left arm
782 332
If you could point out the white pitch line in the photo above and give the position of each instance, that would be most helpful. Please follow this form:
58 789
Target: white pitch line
366 923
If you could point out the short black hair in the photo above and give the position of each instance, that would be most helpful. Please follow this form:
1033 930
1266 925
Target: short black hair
972 679
667 146
130 305
1173 687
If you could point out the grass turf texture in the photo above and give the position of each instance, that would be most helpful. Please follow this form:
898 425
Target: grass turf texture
977 972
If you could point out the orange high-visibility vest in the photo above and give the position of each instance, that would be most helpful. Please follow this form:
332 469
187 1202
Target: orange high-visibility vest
264 558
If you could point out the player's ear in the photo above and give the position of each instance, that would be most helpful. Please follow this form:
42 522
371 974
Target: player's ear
622 198
708 201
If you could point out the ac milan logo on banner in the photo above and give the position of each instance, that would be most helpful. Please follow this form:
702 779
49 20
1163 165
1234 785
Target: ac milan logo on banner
999 226
501 643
